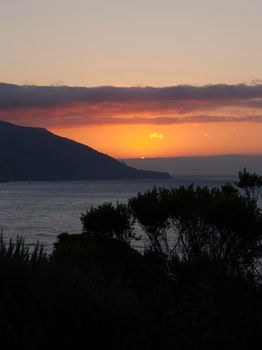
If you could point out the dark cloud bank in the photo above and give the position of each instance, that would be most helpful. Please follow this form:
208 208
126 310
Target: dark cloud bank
67 106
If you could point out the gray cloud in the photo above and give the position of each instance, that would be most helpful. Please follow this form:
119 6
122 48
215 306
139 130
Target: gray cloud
14 96
52 106
201 119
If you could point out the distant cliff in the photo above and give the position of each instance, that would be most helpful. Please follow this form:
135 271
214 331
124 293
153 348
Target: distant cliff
35 154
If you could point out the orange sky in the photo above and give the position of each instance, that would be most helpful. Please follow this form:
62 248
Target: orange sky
182 120
205 54
123 141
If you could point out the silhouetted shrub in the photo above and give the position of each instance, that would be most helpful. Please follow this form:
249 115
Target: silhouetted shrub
251 184
116 259
200 226
113 221
151 211
96 294
194 286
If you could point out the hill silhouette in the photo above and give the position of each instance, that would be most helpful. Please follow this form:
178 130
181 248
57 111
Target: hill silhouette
217 165
35 154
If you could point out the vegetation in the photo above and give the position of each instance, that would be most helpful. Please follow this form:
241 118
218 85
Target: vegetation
251 184
202 226
114 222
195 285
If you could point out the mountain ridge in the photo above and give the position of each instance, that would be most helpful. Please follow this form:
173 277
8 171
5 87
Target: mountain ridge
36 154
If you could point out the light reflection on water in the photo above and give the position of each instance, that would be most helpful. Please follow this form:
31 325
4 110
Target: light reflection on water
39 211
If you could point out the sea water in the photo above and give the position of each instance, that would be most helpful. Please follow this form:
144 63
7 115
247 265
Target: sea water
39 211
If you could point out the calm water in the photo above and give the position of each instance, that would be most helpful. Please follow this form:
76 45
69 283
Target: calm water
40 211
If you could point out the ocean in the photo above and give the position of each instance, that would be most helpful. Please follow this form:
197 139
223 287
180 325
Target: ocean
39 211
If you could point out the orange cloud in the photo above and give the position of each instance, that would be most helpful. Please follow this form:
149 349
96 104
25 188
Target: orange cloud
56 107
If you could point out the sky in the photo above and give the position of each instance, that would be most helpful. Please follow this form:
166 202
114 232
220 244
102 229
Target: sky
140 78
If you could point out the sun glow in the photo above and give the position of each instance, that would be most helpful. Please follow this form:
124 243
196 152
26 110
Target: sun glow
123 141
156 135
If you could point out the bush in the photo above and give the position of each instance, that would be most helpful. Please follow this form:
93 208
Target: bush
113 221
97 293
195 285
251 184
199 226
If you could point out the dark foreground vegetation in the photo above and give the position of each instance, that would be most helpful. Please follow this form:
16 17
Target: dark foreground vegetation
195 282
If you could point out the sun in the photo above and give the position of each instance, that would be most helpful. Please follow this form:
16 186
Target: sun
156 136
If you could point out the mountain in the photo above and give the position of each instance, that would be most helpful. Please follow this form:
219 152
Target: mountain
35 154
209 165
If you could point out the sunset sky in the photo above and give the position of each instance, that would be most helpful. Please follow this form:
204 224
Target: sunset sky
140 78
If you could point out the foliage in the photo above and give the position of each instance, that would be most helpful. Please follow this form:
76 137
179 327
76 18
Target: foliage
250 183
201 225
150 211
113 221
195 285
94 294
